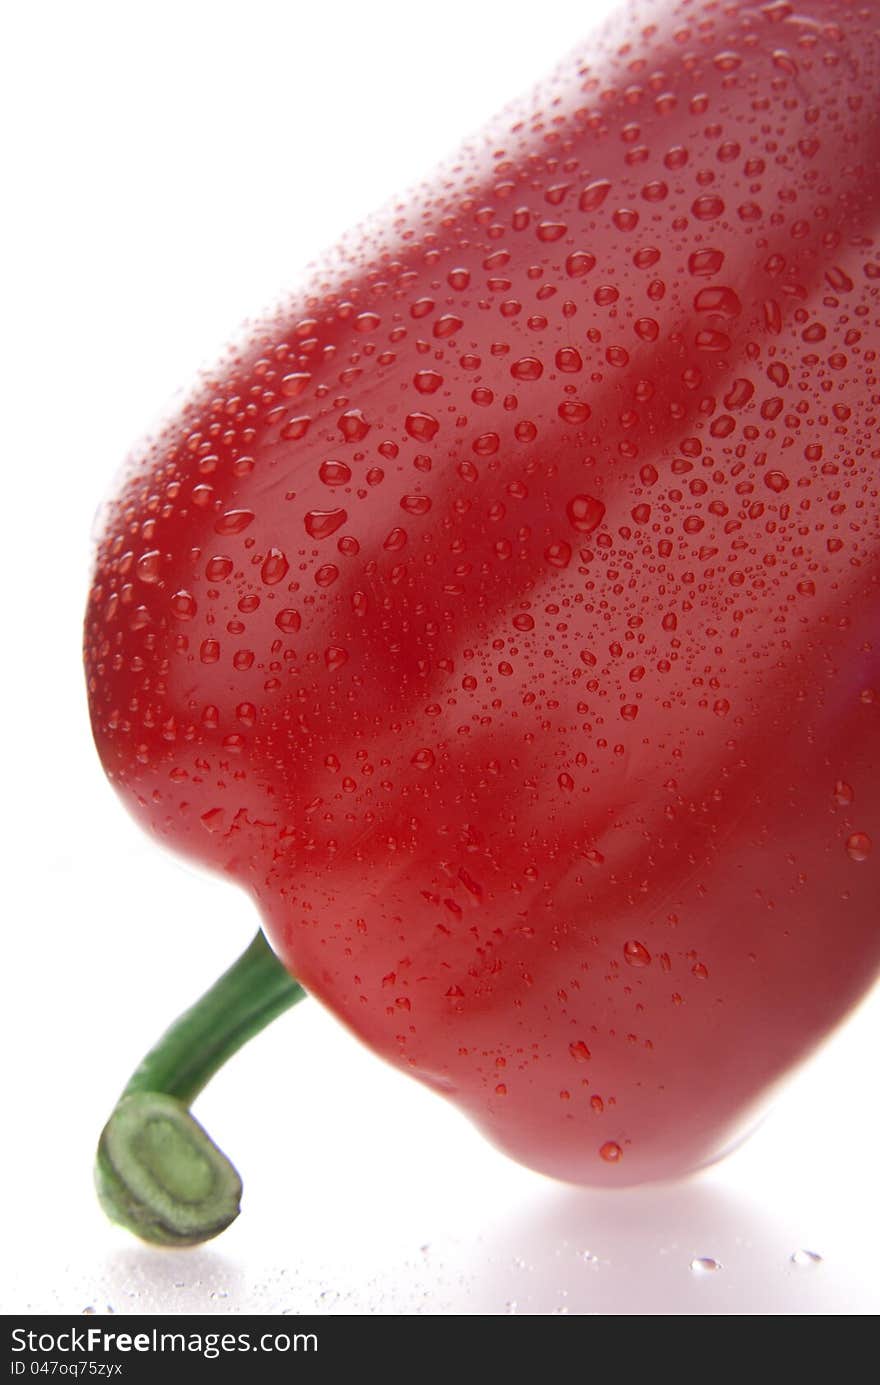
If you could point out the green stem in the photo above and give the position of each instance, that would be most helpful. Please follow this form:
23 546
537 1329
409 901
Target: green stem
157 1171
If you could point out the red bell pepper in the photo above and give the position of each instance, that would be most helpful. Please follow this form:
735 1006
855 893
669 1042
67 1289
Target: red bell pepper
501 616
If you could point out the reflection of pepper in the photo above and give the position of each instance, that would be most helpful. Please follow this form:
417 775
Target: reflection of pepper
501 616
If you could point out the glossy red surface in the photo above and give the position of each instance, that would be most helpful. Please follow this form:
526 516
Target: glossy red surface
502 613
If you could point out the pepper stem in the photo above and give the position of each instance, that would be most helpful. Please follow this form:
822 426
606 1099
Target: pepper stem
158 1173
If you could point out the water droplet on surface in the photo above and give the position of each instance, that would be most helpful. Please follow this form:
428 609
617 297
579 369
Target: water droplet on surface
326 575
148 566
275 567
784 62
246 713
805 1259
569 359
815 332
776 481
352 425
777 10
655 190
579 1051
625 219
334 473
218 569
183 605
705 263
423 759
549 231
858 846
772 316
294 384
415 504
296 428
585 513
447 325
421 426
611 1152
704 1264
558 554
234 522
710 340
427 381
335 657
594 195
636 954
288 620
527 368
573 411
708 207
486 445
579 262
722 301
843 793
739 394
396 539
320 524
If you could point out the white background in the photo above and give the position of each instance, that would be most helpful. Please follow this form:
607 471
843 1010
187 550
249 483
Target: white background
168 169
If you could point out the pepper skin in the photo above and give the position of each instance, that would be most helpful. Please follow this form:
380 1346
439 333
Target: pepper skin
501 613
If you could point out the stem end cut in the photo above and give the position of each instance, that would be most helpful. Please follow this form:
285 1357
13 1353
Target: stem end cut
159 1174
